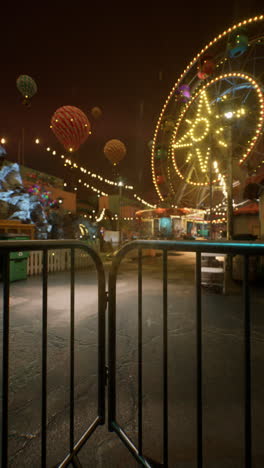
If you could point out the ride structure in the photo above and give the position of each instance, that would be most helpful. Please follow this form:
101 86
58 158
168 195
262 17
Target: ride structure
208 137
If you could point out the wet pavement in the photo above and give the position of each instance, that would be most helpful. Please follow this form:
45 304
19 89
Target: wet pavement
223 371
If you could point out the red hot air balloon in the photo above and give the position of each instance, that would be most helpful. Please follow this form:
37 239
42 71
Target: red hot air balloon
71 127
115 151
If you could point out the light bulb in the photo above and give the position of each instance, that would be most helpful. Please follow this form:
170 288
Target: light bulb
229 115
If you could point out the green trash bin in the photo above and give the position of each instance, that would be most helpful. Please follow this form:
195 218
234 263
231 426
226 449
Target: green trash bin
18 259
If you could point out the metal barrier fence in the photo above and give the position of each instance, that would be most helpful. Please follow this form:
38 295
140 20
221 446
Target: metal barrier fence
234 248
244 249
44 246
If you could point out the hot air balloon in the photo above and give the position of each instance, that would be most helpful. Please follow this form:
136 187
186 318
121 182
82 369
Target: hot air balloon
71 127
115 151
27 87
96 112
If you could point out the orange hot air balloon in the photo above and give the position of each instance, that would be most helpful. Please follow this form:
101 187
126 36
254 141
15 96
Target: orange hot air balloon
115 151
71 127
96 112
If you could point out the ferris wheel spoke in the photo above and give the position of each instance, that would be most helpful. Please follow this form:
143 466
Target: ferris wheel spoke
247 96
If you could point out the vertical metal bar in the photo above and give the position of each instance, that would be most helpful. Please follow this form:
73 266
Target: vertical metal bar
247 371
5 370
119 221
102 305
199 396
140 441
211 191
229 164
44 359
165 359
112 348
72 320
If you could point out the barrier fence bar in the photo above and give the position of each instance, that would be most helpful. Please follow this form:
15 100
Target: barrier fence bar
140 435
101 367
198 248
199 396
247 369
112 350
112 423
5 359
165 358
6 247
44 359
72 349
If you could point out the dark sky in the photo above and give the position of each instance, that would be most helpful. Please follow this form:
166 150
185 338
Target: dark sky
123 60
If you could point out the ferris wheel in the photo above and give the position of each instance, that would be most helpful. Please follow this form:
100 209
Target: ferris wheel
214 114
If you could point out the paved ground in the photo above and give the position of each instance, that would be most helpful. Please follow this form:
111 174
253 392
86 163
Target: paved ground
223 369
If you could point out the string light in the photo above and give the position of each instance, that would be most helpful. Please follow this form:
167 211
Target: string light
68 162
73 165
101 216
144 202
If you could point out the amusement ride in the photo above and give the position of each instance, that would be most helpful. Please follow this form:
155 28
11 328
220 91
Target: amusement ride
208 138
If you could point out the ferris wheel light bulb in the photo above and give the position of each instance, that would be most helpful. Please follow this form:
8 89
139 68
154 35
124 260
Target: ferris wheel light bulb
229 115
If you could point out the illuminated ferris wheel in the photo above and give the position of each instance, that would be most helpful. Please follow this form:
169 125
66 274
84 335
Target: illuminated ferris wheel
212 120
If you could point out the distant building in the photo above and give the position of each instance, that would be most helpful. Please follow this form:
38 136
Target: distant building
128 207
246 219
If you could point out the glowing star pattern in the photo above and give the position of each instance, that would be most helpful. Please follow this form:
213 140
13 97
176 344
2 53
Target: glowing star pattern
200 128
198 131
205 126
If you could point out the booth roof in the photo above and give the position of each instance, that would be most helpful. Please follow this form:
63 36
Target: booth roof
250 208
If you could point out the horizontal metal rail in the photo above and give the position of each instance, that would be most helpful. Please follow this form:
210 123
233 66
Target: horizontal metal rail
245 249
6 247
232 247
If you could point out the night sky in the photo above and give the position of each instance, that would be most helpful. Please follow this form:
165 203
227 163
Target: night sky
123 60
